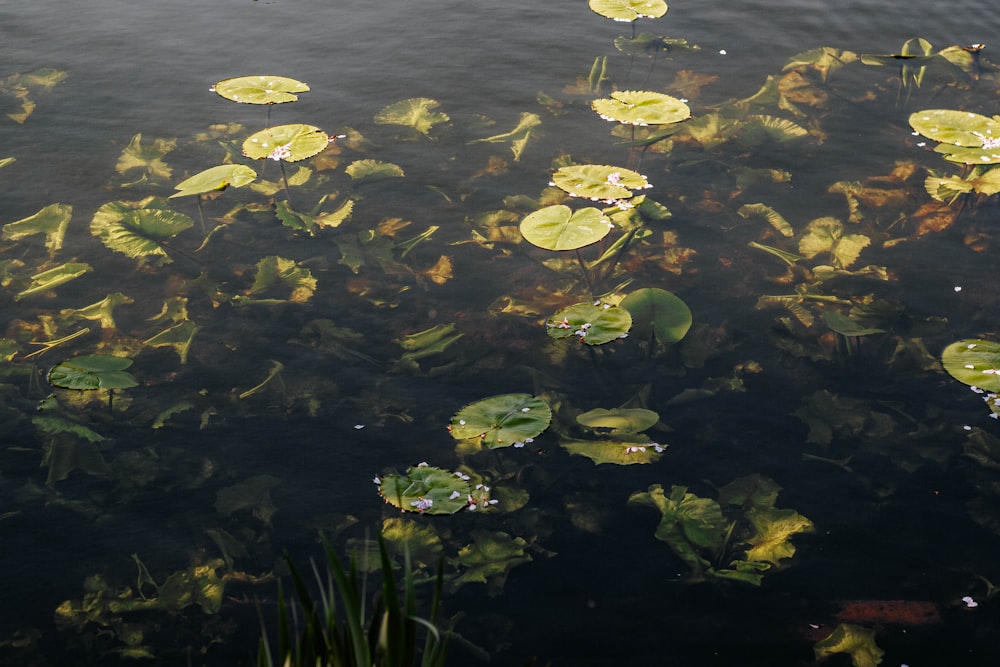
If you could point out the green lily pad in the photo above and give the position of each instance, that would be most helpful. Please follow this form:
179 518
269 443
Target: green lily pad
415 112
560 228
101 311
147 157
974 362
658 312
94 371
138 229
592 324
425 489
290 143
60 275
488 559
518 137
826 235
502 421
599 182
854 640
773 529
51 221
642 108
373 170
966 137
215 178
624 420
280 271
178 336
617 452
845 326
627 11
260 89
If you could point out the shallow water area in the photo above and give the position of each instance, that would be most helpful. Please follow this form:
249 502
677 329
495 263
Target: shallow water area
768 453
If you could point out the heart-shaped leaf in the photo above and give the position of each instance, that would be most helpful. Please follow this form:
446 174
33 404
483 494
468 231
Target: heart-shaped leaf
290 143
624 420
415 112
629 10
966 137
616 452
641 107
592 324
560 228
95 371
138 229
425 489
599 182
260 89
974 362
658 312
215 178
502 421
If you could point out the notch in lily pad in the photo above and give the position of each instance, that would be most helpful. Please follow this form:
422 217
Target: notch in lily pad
426 490
599 182
641 108
593 323
965 137
502 421
560 228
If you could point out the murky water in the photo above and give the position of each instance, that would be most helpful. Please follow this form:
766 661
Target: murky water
272 428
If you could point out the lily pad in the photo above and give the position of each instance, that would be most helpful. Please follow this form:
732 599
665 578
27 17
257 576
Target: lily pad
215 179
658 312
773 529
845 326
373 170
426 490
54 277
260 89
854 640
592 324
599 182
826 235
627 11
641 107
488 559
966 137
138 229
502 421
974 362
290 143
415 112
560 228
624 420
51 221
178 336
518 137
94 371
617 452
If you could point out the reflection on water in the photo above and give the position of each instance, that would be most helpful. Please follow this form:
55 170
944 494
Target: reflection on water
817 466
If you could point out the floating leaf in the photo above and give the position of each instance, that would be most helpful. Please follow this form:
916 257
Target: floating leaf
51 221
290 143
592 324
974 362
373 170
854 640
502 421
60 275
426 490
215 179
148 158
966 137
138 229
599 182
518 136
827 235
625 420
415 112
658 312
95 371
260 89
641 107
627 11
618 452
560 228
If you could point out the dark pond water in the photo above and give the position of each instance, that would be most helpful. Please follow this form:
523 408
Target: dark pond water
268 425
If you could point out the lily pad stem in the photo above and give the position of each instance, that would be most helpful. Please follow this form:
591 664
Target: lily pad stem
586 274
284 180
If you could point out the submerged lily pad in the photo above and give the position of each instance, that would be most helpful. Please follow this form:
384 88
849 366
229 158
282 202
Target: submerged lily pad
560 228
518 137
826 235
617 452
415 112
599 182
592 324
502 421
627 11
641 107
51 221
138 229
966 137
54 277
974 362
425 489
94 371
659 313
626 420
260 89
290 143
856 641
215 178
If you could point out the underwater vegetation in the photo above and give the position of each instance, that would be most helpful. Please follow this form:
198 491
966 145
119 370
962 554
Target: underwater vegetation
512 373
